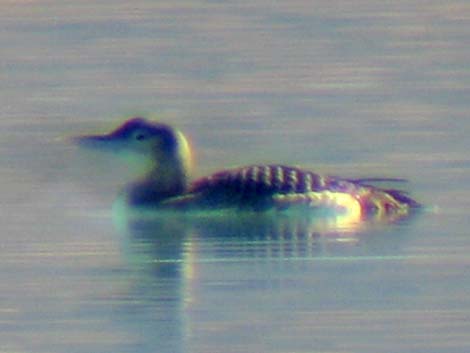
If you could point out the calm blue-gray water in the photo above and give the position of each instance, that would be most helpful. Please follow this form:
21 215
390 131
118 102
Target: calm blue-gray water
350 88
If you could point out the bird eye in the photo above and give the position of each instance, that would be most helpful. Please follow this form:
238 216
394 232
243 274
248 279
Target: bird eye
140 137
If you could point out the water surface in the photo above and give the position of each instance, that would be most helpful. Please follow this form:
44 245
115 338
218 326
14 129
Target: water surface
354 89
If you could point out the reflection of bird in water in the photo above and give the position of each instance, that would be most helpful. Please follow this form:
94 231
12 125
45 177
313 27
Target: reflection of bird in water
165 154
167 245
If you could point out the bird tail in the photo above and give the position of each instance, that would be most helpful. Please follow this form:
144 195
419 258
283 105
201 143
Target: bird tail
387 201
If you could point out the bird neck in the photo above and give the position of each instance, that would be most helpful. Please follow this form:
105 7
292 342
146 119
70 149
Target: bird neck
167 179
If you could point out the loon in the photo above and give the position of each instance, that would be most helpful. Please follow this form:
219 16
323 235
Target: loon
166 183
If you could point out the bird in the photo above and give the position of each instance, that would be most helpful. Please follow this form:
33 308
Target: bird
166 185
